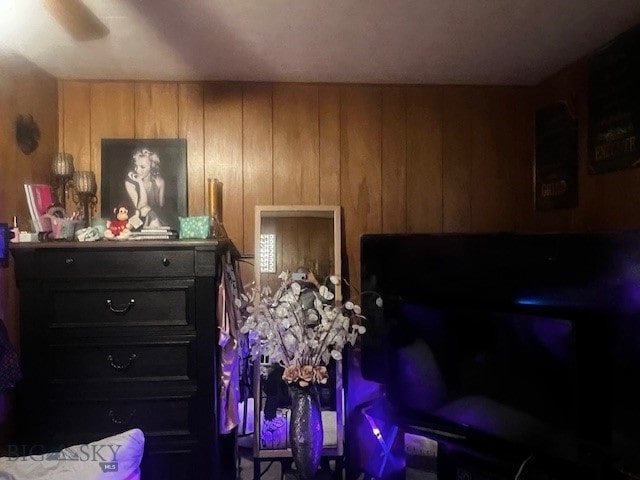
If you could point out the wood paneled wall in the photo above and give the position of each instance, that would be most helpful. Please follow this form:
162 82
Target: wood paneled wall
396 158
24 90
606 202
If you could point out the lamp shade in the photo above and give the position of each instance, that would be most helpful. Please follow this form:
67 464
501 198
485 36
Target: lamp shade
62 164
84 181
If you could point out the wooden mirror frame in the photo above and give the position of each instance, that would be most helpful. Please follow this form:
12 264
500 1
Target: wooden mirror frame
302 211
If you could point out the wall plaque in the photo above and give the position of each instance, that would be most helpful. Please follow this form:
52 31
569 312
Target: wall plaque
556 169
614 105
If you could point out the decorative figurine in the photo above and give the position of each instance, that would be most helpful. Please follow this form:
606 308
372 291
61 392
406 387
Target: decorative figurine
120 227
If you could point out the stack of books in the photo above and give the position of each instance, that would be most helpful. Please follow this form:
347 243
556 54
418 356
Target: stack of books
155 233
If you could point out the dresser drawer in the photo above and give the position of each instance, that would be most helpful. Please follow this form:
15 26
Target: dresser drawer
170 416
122 304
121 263
122 359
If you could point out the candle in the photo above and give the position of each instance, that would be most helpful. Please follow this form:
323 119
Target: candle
217 185
213 197
84 182
62 164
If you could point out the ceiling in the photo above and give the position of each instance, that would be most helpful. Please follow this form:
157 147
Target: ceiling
497 42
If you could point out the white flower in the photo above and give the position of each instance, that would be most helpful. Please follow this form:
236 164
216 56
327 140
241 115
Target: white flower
325 293
330 313
284 276
294 333
289 340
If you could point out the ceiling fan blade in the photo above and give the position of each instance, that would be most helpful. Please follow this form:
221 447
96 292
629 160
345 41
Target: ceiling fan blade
77 19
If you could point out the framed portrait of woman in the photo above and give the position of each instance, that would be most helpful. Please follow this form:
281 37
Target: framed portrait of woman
148 177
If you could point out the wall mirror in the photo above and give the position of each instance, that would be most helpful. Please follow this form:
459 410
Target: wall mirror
297 237
300 239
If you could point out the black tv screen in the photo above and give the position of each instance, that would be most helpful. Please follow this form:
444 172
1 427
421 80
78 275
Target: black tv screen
508 375
530 341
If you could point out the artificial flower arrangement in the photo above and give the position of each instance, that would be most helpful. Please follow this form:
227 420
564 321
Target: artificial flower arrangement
301 326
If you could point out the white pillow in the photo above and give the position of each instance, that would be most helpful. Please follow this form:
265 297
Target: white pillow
113 458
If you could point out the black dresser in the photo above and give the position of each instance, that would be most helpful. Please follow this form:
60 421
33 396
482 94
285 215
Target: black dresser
119 335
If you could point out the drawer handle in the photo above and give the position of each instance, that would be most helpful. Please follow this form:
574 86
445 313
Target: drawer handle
68 261
124 309
121 366
120 421
166 262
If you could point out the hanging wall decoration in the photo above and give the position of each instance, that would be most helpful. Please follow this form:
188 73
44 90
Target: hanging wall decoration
556 161
614 105
27 134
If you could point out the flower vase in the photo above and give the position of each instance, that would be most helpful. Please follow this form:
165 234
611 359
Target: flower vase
305 430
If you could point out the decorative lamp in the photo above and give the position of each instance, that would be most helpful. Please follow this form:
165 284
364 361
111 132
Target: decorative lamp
62 167
84 186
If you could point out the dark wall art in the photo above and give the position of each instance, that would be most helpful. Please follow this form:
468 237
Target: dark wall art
556 161
614 105
27 134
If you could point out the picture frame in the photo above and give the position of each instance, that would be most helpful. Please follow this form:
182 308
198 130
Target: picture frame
613 102
158 164
556 158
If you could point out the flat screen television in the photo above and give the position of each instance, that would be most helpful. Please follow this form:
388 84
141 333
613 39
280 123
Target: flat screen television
526 343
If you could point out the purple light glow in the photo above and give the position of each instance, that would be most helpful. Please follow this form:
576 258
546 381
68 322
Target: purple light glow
631 295
421 376
359 390
386 461
553 334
